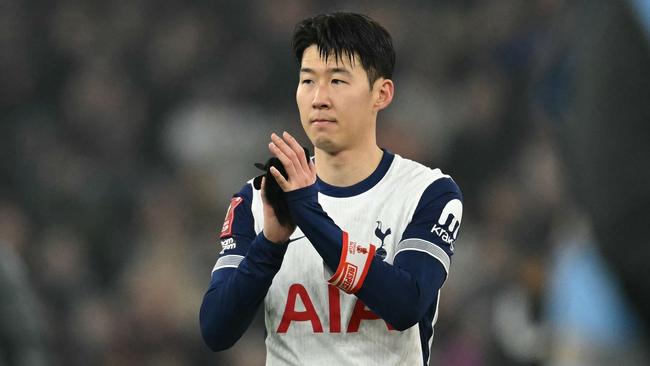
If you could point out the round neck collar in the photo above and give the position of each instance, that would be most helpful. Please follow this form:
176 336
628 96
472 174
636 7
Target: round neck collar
358 188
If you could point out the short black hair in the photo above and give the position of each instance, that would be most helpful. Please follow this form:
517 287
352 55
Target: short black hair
344 35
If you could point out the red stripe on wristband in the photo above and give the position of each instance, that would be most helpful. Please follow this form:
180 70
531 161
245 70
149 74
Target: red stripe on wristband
334 280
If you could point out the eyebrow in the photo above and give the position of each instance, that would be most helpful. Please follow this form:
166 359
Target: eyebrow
331 70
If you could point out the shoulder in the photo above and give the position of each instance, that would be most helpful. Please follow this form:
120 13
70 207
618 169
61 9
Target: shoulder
246 191
438 213
417 177
243 199
433 194
239 215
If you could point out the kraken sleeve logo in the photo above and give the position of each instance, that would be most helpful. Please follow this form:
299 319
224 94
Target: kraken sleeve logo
228 244
452 214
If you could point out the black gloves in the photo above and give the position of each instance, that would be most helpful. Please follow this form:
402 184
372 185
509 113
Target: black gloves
273 193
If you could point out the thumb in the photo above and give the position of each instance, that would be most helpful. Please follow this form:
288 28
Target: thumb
263 191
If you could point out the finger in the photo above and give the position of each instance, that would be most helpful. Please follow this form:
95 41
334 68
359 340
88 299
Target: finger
297 149
300 161
282 145
263 190
284 159
287 150
280 179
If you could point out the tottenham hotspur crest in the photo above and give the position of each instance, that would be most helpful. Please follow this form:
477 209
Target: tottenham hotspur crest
381 235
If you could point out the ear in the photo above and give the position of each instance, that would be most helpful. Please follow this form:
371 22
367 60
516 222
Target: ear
384 89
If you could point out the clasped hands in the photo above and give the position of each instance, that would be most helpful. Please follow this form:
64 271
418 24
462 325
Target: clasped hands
300 169
301 172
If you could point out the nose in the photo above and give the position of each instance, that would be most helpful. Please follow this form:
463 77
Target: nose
321 98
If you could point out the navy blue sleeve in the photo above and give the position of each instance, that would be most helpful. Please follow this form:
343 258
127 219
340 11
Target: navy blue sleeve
436 220
416 275
241 277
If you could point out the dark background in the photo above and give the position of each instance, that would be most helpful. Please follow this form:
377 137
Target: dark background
125 126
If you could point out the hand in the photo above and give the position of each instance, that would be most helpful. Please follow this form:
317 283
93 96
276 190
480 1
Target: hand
273 230
300 172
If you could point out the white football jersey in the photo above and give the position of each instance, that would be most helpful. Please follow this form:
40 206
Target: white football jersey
310 322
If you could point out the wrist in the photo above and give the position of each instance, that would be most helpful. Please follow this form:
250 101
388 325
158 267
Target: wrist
275 239
263 251
309 192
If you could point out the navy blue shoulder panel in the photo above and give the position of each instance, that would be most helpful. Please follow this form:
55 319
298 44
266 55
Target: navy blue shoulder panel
242 231
246 192
438 215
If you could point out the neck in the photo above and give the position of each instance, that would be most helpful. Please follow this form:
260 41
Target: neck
347 167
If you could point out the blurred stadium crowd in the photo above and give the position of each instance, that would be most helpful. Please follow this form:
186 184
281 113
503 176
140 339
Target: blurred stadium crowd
126 126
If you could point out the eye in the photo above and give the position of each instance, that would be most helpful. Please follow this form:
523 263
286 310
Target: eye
338 81
306 81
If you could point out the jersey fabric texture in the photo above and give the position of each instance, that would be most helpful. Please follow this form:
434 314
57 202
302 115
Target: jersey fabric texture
359 282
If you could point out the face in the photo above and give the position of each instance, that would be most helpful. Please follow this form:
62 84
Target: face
338 109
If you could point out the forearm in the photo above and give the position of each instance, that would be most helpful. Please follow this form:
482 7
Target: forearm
412 282
317 226
401 296
237 291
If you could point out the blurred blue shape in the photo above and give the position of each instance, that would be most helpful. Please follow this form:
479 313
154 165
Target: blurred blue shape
641 9
586 301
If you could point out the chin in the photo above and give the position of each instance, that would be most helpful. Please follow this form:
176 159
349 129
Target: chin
325 144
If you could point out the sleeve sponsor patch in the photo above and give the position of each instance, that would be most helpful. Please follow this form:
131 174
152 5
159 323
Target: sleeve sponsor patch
449 222
226 229
228 244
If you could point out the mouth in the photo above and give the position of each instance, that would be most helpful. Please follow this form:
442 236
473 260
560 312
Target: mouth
322 121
